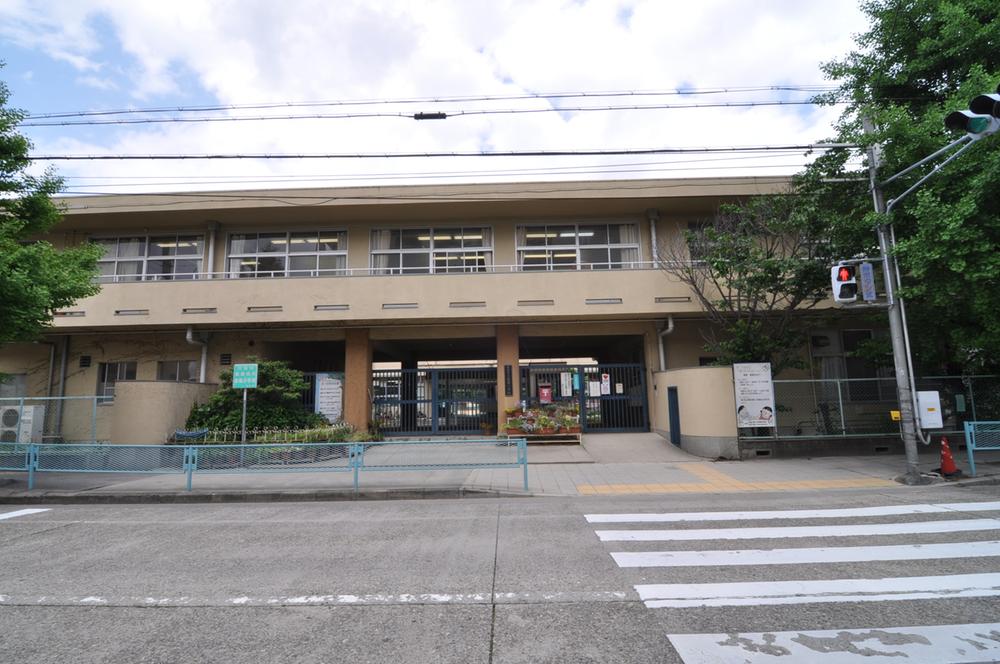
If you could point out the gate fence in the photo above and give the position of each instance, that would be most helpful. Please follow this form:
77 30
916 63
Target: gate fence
611 397
188 460
459 401
84 419
860 407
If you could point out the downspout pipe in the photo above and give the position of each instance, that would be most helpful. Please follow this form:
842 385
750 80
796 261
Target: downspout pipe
64 358
653 217
208 263
660 339
190 338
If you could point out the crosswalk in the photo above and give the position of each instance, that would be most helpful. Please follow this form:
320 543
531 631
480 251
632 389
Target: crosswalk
843 545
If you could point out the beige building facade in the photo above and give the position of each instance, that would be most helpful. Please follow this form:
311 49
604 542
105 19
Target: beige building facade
516 284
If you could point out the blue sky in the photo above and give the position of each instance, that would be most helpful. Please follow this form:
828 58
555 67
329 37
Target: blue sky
84 55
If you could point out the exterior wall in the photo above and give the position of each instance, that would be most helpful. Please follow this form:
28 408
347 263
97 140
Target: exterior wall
147 412
31 360
707 407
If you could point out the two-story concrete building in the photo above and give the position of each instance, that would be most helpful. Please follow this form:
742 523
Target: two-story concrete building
433 307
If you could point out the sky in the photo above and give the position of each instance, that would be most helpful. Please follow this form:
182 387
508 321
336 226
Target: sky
475 60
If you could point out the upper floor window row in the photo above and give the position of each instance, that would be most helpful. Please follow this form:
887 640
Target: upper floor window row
151 257
290 254
578 247
431 250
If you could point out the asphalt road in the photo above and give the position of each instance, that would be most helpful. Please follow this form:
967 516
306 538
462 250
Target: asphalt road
507 580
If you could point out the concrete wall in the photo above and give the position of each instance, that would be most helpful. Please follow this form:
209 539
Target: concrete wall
147 412
707 407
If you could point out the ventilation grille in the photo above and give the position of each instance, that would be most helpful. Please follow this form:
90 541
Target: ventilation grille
199 310
85 361
226 359
603 300
673 298
399 305
69 314
535 303
331 307
265 308
131 312
466 305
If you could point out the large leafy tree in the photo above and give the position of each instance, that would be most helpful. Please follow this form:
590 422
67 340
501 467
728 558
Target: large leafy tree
919 60
36 279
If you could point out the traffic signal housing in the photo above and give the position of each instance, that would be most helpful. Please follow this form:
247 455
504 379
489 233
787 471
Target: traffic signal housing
843 279
982 118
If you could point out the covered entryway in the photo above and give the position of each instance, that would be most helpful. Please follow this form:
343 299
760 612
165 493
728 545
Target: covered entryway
610 397
460 400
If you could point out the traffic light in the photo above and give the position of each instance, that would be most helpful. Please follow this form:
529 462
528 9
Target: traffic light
843 278
982 118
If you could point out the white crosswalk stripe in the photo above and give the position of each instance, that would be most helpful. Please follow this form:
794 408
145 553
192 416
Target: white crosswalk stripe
14 515
673 554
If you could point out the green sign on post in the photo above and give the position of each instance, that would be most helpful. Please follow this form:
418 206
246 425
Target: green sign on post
244 376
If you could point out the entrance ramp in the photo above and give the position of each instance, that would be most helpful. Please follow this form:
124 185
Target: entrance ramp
634 448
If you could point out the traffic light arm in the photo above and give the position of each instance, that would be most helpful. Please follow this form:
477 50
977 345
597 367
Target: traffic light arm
916 185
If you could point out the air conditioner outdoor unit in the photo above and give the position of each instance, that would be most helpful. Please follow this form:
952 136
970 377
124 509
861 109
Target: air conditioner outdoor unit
22 425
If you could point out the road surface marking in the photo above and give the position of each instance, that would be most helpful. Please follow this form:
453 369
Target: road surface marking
844 554
322 600
687 595
732 486
888 510
861 530
939 643
14 515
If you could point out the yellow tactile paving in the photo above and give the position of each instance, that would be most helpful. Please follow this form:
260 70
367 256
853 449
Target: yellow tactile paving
719 482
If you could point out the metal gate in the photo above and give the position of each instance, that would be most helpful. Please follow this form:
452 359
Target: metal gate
611 397
435 401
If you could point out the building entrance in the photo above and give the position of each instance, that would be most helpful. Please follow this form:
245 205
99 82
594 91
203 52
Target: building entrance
611 397
461 400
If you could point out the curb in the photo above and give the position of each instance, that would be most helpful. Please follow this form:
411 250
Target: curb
64 498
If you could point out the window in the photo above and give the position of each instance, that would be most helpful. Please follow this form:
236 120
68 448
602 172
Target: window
578 247
292 254
13 386
431 250
181 371
150 257
111 373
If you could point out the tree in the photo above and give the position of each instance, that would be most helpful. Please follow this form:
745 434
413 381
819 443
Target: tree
919 60
276 402
757 266
35 278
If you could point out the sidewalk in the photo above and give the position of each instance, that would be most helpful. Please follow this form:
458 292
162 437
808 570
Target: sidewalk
605 465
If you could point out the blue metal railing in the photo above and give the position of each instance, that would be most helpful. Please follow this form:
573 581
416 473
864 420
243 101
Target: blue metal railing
187 460
980 436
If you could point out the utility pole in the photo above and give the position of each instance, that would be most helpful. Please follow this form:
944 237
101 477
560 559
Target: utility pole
900 350
982 119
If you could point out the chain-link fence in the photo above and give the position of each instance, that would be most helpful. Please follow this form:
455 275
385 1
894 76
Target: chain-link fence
863 407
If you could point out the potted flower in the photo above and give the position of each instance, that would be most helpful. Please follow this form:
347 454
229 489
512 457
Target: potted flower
527 427
515 411
569 424
514 425
546 425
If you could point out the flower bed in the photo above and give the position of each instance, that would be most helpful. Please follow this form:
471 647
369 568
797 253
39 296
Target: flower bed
543 420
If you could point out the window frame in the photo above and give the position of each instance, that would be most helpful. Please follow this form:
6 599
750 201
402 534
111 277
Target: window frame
106 389
192 366
522 249
486 252
145 258
287 271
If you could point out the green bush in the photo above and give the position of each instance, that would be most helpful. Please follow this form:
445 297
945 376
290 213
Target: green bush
274 404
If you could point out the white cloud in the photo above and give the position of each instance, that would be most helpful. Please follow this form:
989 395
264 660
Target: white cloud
242 51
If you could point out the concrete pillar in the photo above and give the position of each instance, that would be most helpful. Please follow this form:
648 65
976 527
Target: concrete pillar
508 355
357 378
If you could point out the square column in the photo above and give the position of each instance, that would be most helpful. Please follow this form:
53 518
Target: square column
357 378
508 370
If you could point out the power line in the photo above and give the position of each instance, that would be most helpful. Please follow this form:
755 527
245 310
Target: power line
443 99
410 155
441 115
532 170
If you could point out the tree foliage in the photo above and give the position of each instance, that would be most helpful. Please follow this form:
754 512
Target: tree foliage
276 402
920 60
35 278
757 265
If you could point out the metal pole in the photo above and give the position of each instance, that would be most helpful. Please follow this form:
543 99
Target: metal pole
899 354
93 421
522 451
840 405
243 427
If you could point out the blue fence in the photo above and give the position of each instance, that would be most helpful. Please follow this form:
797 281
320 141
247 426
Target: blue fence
188 460
980 436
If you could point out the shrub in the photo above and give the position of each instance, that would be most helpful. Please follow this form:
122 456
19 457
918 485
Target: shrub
274 404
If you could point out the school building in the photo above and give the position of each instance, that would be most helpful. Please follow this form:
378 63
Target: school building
429 308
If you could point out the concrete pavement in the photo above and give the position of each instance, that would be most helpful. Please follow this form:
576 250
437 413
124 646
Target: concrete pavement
608 464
